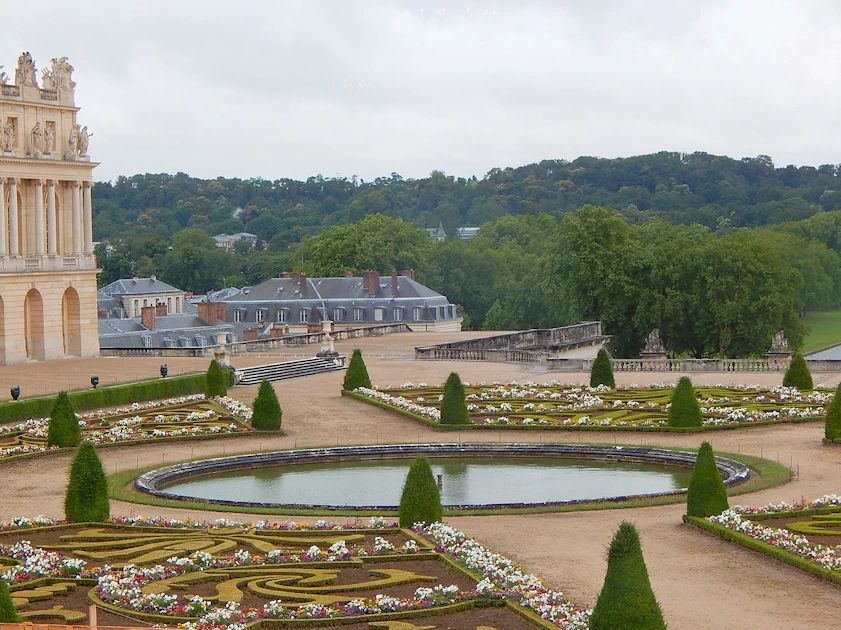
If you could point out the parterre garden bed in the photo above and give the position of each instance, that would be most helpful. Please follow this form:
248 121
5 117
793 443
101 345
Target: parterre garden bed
556 406
228 574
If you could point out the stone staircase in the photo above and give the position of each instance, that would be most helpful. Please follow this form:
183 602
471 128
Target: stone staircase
287 369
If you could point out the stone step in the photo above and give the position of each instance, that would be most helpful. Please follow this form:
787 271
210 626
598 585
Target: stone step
285 370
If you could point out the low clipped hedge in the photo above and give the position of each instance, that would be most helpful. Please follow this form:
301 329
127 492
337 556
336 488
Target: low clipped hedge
157 389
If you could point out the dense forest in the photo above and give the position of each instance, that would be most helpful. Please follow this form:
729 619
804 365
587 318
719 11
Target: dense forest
718 253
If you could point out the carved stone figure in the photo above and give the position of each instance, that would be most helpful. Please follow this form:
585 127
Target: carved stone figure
59 76
654 344
73 142
4 78
37 139
8 136
25 72
83 141
49 139
779 343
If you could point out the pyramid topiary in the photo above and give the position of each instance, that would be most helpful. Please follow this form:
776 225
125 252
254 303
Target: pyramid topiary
626 601
602 371
8 614
798 374
420 501
64 429
706 495
454 405
267 412
684 410
86 500
356 374
216 381
832 428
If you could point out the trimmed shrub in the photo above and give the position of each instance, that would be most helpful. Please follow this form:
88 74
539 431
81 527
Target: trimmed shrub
798 374
86 500
832 428
217 382
706 495
356 374
602 371
267 412
64 429
420 501
454 405
626 601
685 410
8 614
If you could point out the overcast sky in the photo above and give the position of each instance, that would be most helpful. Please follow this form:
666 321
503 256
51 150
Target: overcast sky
368 87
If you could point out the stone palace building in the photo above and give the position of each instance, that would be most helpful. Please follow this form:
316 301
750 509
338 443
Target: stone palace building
47 266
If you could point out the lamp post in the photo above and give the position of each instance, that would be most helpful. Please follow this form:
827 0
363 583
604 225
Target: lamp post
15 392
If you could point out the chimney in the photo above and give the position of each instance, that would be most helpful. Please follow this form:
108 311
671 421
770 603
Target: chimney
252 333
302 281
408 273
160 310
394 283
154 277
296 275
348 274
284 274
147 317
276 332
211 312
374 283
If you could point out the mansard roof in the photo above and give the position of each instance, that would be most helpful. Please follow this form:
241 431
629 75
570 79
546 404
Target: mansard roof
282 289
138 286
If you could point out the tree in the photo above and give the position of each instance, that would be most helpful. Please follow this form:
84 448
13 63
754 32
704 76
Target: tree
685 410
64 429
454 405
8 614
706 495
626 601
798 375
832 427
267 412
602 371
420 501
356 374
86 500
216 381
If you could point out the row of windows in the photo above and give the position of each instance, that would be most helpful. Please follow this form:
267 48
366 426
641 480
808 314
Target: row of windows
187 342
438 312
168 305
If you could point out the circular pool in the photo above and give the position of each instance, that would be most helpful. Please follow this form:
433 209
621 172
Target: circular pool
471 476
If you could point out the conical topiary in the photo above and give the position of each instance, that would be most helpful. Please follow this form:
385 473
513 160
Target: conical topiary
798 374
267 412
832 428
64 429
86 500
420 501
356 374
216 381
706 495
454 406
8 614
626 601
684 410
602 371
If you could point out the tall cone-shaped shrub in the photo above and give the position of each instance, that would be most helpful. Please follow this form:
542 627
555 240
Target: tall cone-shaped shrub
832 428
798 374
626 601
356 374
267 413
602 371
8 614
706 495
216 381
420 501
684 410
454 405
86 500
64 429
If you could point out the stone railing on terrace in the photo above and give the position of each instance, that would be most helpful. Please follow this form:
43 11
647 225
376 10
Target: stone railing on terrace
561 364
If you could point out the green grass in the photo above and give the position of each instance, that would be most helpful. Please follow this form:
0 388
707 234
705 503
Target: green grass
764 474
825 329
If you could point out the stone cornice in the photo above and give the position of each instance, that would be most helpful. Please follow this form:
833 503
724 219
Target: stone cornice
18 160
39 103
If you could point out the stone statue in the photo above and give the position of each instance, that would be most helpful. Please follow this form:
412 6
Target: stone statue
37 139
49 139
73 142
4 78
779 343
83 141
654 345
60 75
25 72
8 136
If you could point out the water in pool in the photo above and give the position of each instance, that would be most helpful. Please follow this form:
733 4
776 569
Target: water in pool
471 481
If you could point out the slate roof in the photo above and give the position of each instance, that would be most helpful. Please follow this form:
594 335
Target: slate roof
138 286
327 289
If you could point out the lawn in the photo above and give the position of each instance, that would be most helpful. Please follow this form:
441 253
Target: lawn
825 329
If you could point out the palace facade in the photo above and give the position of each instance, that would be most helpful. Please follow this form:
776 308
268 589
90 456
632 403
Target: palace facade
47 267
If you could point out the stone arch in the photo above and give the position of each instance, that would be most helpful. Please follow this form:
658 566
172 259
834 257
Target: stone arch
33 317
71 323
2 332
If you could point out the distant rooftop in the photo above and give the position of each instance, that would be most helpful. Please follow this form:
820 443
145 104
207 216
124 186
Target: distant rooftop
138 286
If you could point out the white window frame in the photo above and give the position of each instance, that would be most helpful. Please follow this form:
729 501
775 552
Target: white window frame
304 316
379 313
338 314
359 314
147 341
398 313
282 315
260 315
417 313
238 315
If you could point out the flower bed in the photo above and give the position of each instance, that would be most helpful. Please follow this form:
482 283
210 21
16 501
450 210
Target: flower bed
555 406
228 574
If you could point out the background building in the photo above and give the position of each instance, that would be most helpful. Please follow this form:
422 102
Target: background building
47 267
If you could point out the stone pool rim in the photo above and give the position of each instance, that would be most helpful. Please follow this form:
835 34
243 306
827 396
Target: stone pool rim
151 482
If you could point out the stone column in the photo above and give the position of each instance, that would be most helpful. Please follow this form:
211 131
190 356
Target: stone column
4 219
52 248
77 218
13 216
39 217
88 218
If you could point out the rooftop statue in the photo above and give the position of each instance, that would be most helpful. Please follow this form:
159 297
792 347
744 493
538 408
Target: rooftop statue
779 343
25 72
59 76
4 78
654 345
